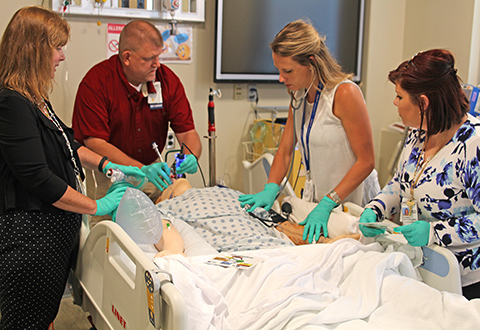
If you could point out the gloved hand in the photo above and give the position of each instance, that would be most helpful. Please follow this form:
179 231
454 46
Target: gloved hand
127 170
189 165
369 216
264 199
317 220
158 174
109 203
416 234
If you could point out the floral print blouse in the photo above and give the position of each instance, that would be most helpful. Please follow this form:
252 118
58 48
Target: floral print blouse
447 194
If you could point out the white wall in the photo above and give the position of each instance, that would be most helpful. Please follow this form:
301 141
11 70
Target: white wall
395 30
385 26
440 24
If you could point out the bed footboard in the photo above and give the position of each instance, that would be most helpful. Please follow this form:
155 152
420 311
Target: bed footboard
122 288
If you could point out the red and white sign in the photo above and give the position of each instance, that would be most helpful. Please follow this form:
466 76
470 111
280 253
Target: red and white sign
113 35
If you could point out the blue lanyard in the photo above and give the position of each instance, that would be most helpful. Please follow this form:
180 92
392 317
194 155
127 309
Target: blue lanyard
306 146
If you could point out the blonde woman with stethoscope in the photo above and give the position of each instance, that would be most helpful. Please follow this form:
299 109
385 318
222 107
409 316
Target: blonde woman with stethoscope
329 118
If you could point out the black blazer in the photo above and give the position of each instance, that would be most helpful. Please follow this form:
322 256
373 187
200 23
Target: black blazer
35 165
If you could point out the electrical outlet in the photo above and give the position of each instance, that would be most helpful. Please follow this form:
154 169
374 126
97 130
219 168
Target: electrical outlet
252 93
237 92
170 143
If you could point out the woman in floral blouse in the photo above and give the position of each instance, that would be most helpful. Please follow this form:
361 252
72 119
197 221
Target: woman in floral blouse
436 187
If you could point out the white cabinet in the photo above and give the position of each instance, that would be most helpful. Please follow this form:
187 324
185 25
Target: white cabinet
188 11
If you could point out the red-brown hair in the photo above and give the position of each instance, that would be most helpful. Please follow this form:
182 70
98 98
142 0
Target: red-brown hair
432 73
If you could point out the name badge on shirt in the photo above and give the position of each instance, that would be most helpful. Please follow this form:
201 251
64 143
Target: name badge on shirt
308 191
409 212
155 100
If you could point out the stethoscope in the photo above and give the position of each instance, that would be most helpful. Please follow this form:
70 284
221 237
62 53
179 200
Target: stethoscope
292 97
300 101
305 142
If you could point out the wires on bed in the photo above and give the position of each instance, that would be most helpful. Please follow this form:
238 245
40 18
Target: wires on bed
292 161
199 167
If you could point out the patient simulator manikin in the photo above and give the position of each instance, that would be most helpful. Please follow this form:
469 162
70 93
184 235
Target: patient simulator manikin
341 228
171 242
140 218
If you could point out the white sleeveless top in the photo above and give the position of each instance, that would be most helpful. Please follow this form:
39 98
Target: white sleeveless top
331 155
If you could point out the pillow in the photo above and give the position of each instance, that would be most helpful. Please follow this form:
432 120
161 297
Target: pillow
194 244
139 217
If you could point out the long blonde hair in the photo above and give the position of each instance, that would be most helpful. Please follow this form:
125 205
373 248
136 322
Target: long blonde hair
301 41
26 51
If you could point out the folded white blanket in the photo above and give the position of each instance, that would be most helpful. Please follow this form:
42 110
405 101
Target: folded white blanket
344 285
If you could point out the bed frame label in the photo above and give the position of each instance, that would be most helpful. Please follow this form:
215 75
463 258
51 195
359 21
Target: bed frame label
119 317
150 289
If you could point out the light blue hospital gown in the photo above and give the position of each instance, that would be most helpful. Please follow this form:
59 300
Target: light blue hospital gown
447 194
216 215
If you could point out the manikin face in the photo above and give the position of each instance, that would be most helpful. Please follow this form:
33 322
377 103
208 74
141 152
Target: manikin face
57 57
407 110
140 65
292 74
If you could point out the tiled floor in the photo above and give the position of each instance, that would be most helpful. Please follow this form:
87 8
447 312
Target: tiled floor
71 317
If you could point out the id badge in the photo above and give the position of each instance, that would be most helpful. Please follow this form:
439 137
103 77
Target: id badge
409 212
308 191
155 100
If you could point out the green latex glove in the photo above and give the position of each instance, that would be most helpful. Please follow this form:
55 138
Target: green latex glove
158 174
109 203
369 216
417 233
189 165
129 171
317 220
264 199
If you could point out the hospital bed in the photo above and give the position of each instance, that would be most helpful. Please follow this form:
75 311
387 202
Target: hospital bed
122 286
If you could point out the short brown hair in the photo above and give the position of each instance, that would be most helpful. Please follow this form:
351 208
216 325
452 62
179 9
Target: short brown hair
137 33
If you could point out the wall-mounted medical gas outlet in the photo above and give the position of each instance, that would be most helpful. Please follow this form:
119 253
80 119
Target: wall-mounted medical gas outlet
170 143
252 93
237 92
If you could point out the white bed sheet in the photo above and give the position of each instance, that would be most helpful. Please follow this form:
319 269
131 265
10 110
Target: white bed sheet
345 285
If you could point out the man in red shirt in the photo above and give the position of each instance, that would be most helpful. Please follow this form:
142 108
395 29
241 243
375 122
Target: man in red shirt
127 102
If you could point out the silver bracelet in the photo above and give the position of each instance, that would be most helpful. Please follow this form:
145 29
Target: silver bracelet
333 195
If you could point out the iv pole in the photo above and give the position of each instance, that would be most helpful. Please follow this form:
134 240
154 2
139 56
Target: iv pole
211 135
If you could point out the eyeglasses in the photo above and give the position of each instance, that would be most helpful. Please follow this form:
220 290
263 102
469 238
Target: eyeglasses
411 61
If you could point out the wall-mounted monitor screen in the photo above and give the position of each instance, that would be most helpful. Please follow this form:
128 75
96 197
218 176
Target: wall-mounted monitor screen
245 28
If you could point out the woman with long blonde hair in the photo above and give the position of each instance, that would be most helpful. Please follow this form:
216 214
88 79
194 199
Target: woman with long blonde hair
329 118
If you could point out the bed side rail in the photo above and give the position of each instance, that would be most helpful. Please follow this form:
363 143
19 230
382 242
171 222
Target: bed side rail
117 277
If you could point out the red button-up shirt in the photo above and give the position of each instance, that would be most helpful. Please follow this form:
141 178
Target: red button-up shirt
109 108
